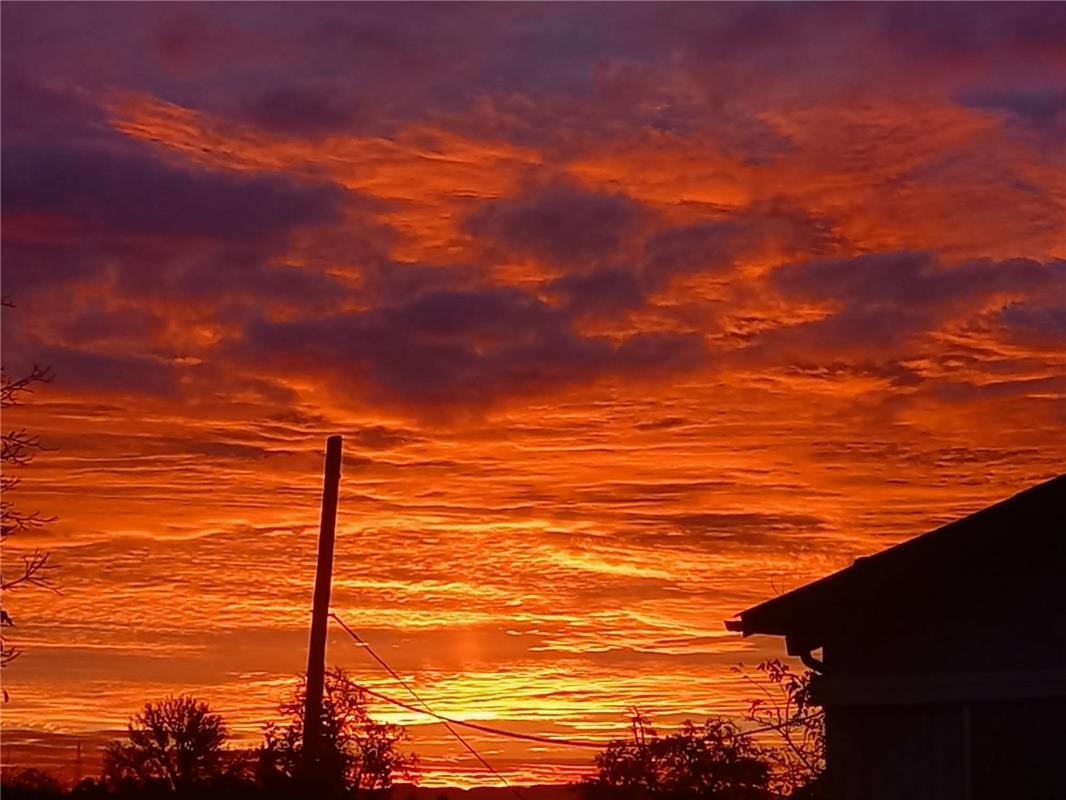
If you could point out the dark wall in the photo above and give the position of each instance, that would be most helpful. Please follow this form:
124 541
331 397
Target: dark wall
895 753
953 687
1012 750
999 612
1018 750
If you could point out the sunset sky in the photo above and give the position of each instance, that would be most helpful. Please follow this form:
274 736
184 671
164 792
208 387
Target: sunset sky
631 317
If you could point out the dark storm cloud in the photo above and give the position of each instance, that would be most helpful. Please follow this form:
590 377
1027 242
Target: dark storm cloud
150 375
562 224
880 39
1043 106
897 374
223 279
1034 114
882 301
717 246
218 276
370 38
303 111
914 280
155 229
706 246
709 248
603 292
1048 319
487 315
1040 326
453 348
1048 390
99 372
232 57
814 346
381 69
36 266
100 324
560 52
34 112
386 282
954 30
135 194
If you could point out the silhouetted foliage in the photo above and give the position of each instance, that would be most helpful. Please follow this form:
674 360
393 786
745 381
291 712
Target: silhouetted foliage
174 745
89 789
358 756
785 705
17 449
715 760
30 784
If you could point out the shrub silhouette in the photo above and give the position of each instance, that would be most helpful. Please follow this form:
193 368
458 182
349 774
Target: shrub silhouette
173 745
358 756
30 784
715 761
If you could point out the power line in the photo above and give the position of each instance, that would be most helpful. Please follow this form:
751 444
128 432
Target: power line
544 739
447 724
483 728
599 745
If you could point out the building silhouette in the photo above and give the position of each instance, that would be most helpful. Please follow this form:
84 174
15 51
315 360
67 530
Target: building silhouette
943 659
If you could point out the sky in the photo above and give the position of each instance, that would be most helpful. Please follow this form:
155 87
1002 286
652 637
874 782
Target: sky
631 316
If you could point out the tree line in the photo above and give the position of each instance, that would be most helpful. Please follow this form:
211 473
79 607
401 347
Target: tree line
177 748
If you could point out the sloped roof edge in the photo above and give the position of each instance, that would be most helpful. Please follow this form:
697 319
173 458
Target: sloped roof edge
814 605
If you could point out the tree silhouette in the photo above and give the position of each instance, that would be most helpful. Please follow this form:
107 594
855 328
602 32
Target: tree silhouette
24 784
715 760
19 448
357 757
174 744
786 706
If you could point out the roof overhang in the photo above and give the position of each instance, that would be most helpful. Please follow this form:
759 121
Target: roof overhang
912 573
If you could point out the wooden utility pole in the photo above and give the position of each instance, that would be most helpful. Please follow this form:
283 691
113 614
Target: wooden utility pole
316 651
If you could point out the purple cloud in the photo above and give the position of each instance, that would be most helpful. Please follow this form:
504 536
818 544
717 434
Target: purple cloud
304 111
135 194
914 280
560 223
83 370
882 302
703 247
462 348
600 293
1039 319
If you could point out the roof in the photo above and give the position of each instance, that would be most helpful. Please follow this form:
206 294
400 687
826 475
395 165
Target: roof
1030 525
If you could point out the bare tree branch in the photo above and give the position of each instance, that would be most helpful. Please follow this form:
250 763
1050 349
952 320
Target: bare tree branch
786 708
18 447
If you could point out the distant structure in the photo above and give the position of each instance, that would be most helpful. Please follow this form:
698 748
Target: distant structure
943 667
